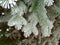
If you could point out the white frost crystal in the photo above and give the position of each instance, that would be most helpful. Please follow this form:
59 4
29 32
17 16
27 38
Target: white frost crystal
7 29
48 2
0 30
2 13
7 3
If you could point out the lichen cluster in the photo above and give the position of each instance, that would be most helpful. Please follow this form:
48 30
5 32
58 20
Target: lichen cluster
29 22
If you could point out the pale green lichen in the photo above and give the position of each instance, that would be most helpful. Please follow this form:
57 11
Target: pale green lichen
31 19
